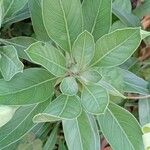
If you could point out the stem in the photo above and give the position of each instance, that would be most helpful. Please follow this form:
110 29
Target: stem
138 97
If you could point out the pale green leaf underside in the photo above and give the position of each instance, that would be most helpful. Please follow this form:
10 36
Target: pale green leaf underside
90 76
49 57
27 87
121 129
81 133
115 48
6 113
10 64
20 124
83 49
94 99
97 17
68 107
69 86
63 21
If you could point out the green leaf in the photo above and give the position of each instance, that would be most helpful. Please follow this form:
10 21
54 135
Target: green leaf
90 76
144 34
63 21
83 49
69 86
143 9
37 21
97 17
6 114
68 107
94 99
122 9
32 86
10 64
133 83
1 12
144 111
11 7
121 129
112 80
20 43
49 57
115 48
20 124
52 139
81 133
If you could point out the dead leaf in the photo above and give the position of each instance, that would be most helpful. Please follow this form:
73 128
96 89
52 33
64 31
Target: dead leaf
146 22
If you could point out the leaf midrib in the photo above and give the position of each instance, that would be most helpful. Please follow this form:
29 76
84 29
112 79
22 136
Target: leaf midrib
113 48
27 88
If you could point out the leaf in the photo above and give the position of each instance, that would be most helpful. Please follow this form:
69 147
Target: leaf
81 133
52 139
32 86
115 48
20 43
19 16
122 9
112 80
68 107
144 111
63 21
97 17
144 34
49 57
37 21
1 12
11 7
69 86
10 64
121 129
133 83
94 99
20 124
6 114
83 49
90 76
143 9
146 136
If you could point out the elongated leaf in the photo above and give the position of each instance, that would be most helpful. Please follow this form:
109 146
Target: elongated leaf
63 21
121 129
133 83
94 99
69 86
6 113
90 76
144 111
122 9
32 86
143 9
11 7
20 124
112 80
19 16
1 12
37 21
81 133
48 56
115 48
20 43
50 144
97 17
83 49
68 107
10 64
